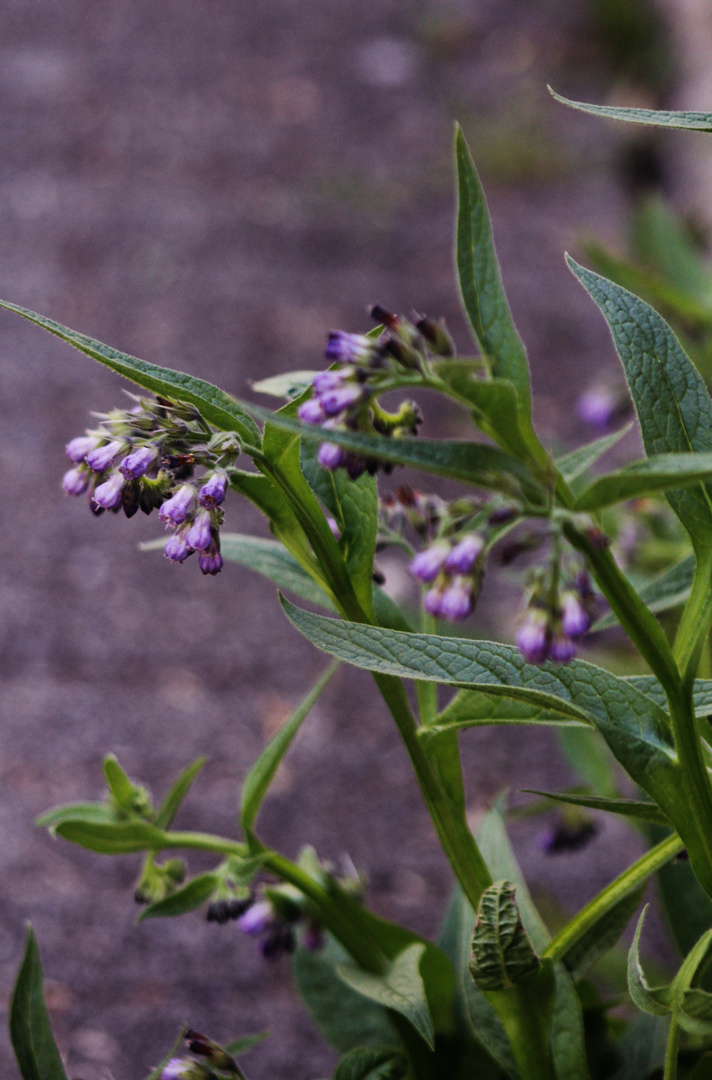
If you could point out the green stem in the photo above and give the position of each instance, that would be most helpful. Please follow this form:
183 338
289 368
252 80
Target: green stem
426 689
626 883
696 618
697 791
673 1041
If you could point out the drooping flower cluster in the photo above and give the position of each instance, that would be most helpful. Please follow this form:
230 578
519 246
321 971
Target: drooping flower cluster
454 573
556 619
344 398
144 458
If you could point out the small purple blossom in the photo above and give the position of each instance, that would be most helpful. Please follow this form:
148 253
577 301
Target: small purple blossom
108 494
574 618
329 380
349 348
176 509
457 601
533 636
75 482
176 549
212 493
335 402
564 837
176 1069
600 407
311 412
200 534
331 456
101 457
77 449
138 462
428 563
258 919
433 601
211 561
462 558
561 649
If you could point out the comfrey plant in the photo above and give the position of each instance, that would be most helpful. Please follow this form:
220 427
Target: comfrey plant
501 995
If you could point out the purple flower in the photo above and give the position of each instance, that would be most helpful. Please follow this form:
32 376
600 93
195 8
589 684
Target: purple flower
574 618
433 601
464 555
212 493
101 458
77 449
176 549
456 602
311 412
428 563
200 534
331 456
258 919
564 837
108 494
337 401
138 462
561 649
211 561
533 636
335 530
313 937
356 466
177 1069
329 380
75 482
279 941
599 407
349 348
176 509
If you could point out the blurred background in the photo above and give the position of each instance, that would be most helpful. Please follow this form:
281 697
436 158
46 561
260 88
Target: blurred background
214 185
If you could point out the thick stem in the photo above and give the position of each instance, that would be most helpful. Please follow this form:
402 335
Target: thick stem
697 788
673 1041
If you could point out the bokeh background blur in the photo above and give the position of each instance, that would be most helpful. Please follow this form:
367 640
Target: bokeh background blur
213 185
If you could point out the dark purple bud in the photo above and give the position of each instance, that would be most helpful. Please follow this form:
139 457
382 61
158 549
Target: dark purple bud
311 412
77 449
465 554
433 601
212 493
457 602
382 315
218 912
131 497
574 618
533 636
597 538
211 561
502 515
428 563
329 380
436 336
237 908
200 534
313 937
176 549
601 406
279 941
564 837
561 649
583 585
101 457
346 348
175 510
337 401
138 462
356 466
331 456
75 482
108 494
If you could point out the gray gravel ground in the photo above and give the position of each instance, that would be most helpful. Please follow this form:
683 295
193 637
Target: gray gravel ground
213 185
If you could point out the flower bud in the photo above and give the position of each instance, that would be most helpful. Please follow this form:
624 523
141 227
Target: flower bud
464 555
176 549
457 601
331 456
131 497
176 509
108 495
212 493
335 402
428 563
574 618
77 449
329 380
566 837
433 602
139 461
311 411
75 482
211 561
200 534
533 636
257 919
561 649
101 457
343 348
279 941
436 336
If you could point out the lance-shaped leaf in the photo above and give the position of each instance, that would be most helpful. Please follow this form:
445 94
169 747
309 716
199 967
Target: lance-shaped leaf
603 935
659 473
30 1030
172 802
400 988
190 896
667 590
372 1063
480 281
216 406
655 1000
476 708
695 1014
117 838
671 399
649 685
689 121
289 384
631 808
502 953
579 461
100 813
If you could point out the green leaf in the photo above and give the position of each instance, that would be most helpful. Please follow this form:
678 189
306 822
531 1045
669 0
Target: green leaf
671 399
96 813
289 384
480 281
649 685
118 838
118 782
603 935
654 1000
579 461
268 497
642 1048
686 905
172 802
690 121
590 758
30 1030
499 855
261 774
502 954
476 708
271 559
218 408
372 1063
632 808
695 1015
662 472
192 895
667 590
567 1030
237 1047
400 988
345 1018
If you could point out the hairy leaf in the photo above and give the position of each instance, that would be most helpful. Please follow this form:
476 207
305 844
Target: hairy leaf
118 838
502 954
632 808
30 1030
662 472
289 384
667 590
603 935
190 896
577 462
654 1000
690 121
401 988
372 1063
173 800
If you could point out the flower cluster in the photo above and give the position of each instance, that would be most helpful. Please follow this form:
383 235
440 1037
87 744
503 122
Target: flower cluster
454 574
556 619
214 1061
144 458
344 397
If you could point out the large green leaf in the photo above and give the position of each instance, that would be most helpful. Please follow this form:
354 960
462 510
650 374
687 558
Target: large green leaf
578 461
662 472
30 1030
649 685
476 708
502 953
690 121
671 399
480 281
117 838
399 988
603 935
667 590
218 408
